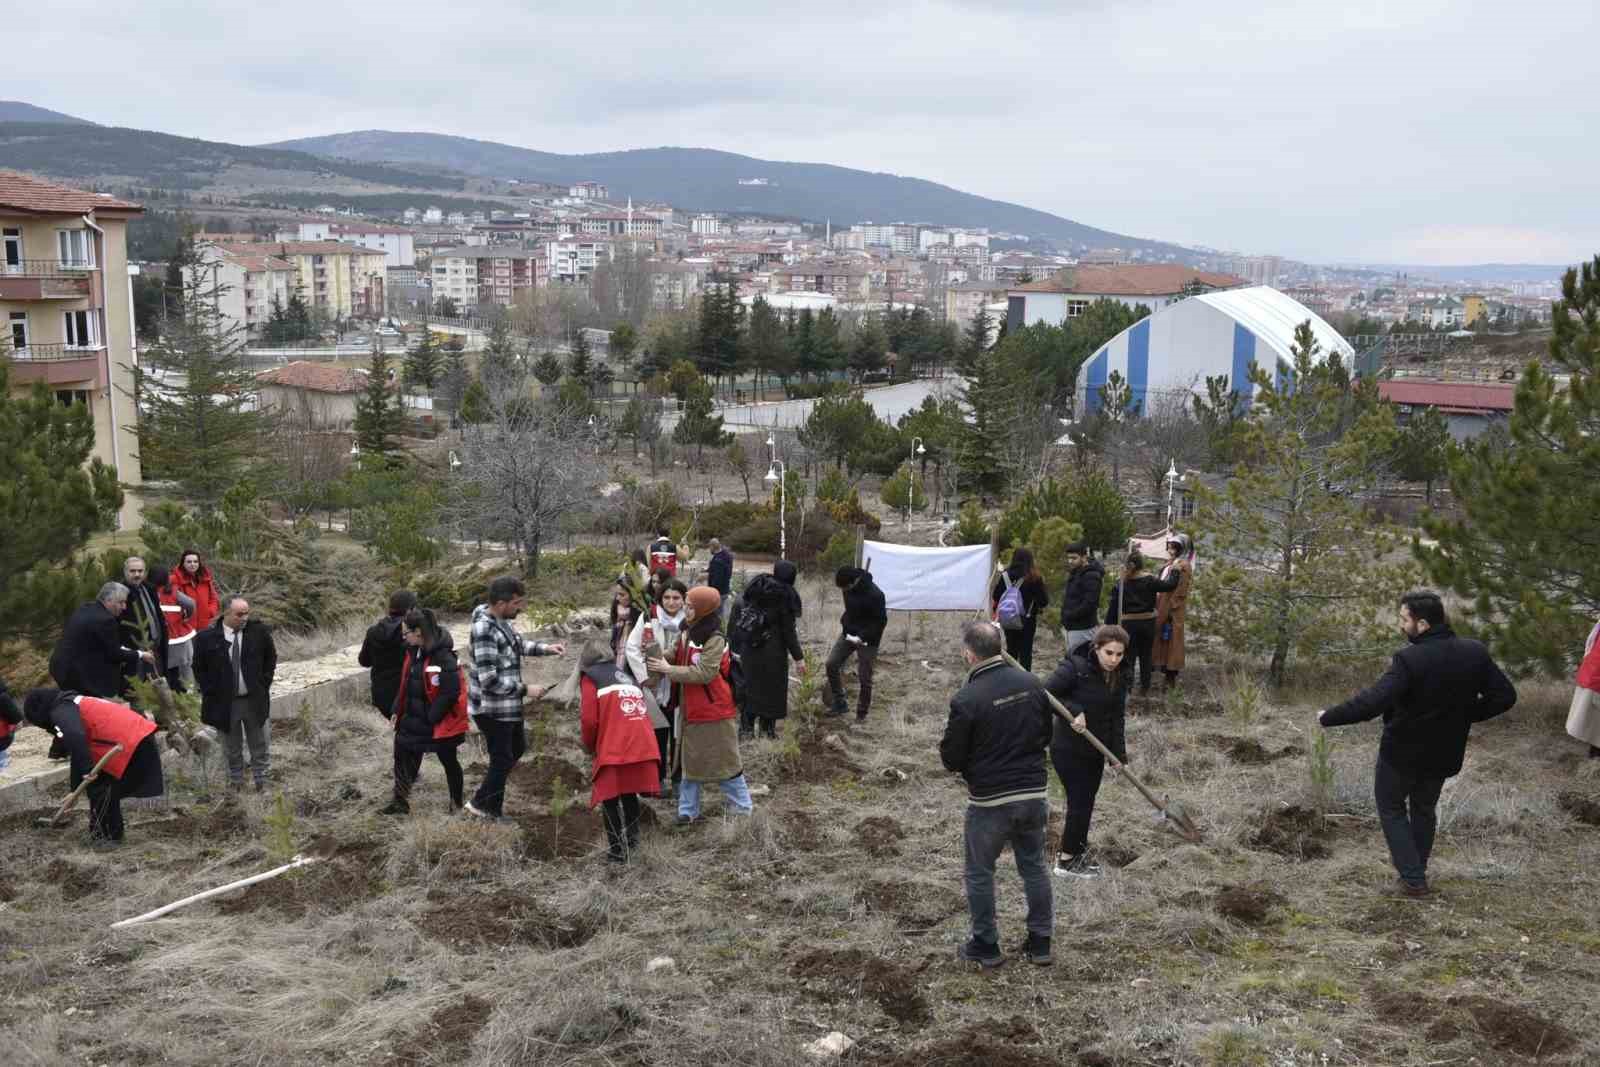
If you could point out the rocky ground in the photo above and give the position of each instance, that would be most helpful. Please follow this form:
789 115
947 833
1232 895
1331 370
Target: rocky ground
429 940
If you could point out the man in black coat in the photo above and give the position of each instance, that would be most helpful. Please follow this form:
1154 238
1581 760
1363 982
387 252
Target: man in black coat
144 622
719 574
861 629
995 738
1080 601
91 657
383 651
234 662
1432 693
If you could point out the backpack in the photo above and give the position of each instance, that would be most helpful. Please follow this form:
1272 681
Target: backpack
750 628
1010 612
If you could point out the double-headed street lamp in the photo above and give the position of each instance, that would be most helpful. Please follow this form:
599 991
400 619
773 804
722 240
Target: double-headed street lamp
911 476
777 472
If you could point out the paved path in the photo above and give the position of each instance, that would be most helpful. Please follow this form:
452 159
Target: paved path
890 402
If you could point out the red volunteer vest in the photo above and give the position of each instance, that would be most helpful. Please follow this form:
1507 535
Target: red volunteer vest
108 723
663 557
711 702
454 723
616 724
179 629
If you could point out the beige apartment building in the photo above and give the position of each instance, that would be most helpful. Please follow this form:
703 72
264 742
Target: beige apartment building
247 284
67 301
340 280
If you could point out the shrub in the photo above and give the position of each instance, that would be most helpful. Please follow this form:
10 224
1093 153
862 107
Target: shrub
833 487
840 551
971 527
717 519
452 589
848 512
761 536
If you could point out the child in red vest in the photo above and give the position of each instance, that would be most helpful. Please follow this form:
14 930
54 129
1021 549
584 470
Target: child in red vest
619 734
88 728
430 709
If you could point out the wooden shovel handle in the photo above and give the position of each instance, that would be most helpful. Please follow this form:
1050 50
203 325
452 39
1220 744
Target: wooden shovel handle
72 797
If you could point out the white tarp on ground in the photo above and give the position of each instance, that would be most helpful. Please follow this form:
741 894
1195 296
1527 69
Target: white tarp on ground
930 579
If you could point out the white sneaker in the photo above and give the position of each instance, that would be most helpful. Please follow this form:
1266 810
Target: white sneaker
1075 867
475 813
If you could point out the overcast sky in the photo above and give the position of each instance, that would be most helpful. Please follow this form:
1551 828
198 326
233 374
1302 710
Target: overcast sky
1427 131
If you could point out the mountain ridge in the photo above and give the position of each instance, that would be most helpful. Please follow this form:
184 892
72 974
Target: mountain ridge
22 111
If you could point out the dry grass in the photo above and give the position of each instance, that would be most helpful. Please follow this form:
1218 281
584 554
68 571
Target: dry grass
429 940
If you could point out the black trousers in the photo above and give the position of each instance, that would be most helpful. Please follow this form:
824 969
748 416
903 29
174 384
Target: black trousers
1142 639
1019 643
105 808
1080 775
622 822
408 763
1408 812
506 741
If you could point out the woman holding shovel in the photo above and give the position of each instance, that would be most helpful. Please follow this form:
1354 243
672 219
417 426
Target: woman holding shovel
1093 683
91 729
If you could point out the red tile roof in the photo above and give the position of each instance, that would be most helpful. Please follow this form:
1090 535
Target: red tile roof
1451 397
299 248
317 377
31 194
1133 279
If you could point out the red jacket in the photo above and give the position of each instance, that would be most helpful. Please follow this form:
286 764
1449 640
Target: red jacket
202 588
107 723
616 721
663 556
180 627
454 723
713 701
1589 669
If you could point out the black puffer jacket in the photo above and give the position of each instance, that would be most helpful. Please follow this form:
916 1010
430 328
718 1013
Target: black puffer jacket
865 614
418 715
384 651
997 732
1434 690
1080 684
1137 596
1080 603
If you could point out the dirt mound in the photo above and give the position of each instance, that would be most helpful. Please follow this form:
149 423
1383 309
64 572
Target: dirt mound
545 837
1246 750
814 760
76 882
1186 706
447 1035
801 832
1249 904
987 1044
1111 854
8 892
1585 809
537 777
831 974
1507 1027
878 835
326 802
1294 832
916 908
348 873
473 921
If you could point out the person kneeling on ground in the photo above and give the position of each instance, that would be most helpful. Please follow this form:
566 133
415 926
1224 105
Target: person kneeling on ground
1432 693
617 732
1092 681
89 727
708 745
430 710
995 738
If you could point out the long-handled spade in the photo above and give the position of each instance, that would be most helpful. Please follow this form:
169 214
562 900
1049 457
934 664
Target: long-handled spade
53 821
1172 812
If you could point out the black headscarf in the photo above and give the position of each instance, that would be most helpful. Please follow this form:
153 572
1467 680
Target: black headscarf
38 704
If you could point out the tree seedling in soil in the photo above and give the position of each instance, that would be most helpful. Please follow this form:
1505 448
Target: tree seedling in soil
280 829
560 799
1320 766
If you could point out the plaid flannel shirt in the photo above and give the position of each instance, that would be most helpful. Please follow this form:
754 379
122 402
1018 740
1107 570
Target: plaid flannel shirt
495 688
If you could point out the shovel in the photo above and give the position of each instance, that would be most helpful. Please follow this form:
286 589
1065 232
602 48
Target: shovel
55 820
1172 811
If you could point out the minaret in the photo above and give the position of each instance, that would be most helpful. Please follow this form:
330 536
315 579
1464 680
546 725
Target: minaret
829 241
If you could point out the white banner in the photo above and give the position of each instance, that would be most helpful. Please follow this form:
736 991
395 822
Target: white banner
930 579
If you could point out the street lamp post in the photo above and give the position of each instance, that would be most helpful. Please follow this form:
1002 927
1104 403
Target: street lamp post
777 472
911 476
1172 478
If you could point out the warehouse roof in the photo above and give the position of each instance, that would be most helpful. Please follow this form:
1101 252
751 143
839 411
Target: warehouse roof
1272 316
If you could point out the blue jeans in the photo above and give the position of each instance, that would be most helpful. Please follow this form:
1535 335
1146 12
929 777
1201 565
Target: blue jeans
735 792
1022 825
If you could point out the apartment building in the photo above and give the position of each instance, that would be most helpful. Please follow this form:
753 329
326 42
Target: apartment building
340 280
963 300
67 299
398 245
589 191
846 279
572 260
247 283
474 275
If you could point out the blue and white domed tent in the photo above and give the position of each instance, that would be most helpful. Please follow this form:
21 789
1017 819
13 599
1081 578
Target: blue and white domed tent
1172 352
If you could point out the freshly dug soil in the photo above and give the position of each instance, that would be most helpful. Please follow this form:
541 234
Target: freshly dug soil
1513 1028
878 835
349 873
447 1035
1247 904
816 763
534 778
1189 707
1248 751
1585 809
1294 832
800 831
916 908
7 892
76 882
545 837
831 974
994 1043
485 920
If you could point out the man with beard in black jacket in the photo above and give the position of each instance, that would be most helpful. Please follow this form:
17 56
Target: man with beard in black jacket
383 651
1432 693
861 629
995 738
1080 602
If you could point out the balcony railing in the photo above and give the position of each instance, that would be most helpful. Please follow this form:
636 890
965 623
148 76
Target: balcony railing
44 268
50 353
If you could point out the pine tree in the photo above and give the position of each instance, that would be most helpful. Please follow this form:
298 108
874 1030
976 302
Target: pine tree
698 425
424 364
764 343
498 363
380 417
1299 566
580 362
868 350
988 396
547 368
1523 550
201 425
455 378
1422 448
54 498
976 341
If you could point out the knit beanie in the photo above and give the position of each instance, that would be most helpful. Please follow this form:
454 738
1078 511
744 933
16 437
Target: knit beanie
705 601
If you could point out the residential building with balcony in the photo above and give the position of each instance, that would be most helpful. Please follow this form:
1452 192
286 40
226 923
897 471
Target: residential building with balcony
849 280
1069 293
339 280
572 260
67 301
964 300
397 244
474 275
247 283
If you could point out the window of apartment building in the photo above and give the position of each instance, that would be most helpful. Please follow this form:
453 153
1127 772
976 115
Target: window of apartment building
19 329
68 397
1076 308
75 248
82 329
13 249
